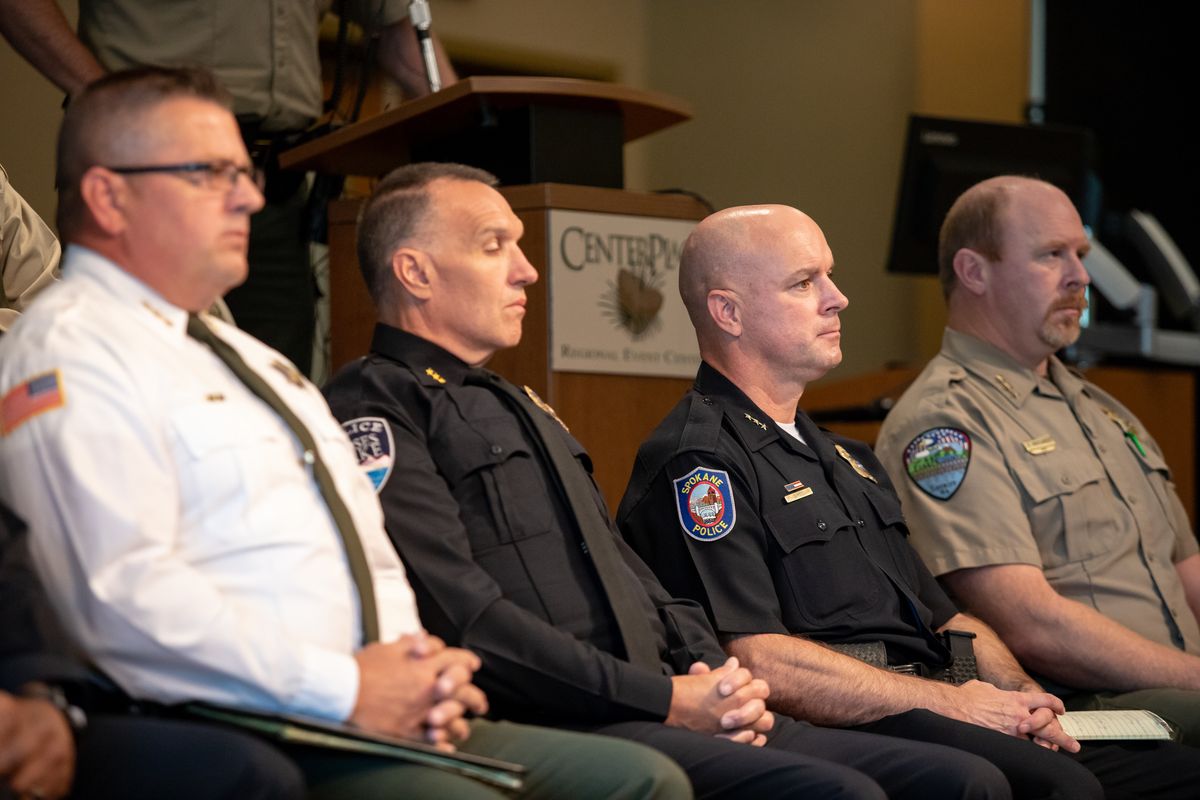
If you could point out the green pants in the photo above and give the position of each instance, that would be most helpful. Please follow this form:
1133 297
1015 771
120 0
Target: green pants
1179 707
560 764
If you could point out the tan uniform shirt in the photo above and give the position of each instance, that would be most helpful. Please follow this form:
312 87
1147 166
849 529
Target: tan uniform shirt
1051 480
263 51
29 253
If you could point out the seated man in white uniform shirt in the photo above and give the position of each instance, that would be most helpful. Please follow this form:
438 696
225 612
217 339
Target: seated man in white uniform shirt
195 546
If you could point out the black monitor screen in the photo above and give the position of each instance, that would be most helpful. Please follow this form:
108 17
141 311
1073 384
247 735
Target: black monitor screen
945 157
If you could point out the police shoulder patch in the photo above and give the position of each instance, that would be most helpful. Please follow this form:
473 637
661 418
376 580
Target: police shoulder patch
372 440
704 502
937 461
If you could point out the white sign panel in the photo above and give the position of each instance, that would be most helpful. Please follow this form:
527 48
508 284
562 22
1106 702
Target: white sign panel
614 296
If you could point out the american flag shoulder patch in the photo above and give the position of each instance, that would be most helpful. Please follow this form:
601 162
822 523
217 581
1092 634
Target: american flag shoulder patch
37 395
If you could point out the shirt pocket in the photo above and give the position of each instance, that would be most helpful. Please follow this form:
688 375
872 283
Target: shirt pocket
831 579
231 460
495 477
1071 509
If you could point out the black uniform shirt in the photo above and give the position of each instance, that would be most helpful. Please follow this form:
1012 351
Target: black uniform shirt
490 547
774 536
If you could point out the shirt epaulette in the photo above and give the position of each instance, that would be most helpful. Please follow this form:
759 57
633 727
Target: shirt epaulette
703 428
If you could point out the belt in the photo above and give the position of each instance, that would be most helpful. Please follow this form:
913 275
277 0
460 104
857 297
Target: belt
962 666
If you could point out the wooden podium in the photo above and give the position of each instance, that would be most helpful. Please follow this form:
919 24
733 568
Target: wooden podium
555 144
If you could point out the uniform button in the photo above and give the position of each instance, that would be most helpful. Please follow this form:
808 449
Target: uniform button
707 401
1150 558
1102 448
1065 480
861 523
1133 501
821 525
309 457
497 449
1174 611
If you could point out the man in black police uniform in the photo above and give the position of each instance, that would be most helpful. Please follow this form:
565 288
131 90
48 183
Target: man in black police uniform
59 729
508 546
793 539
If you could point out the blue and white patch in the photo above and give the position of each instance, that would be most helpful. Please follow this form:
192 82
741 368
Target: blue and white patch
704 501
937 461
372 440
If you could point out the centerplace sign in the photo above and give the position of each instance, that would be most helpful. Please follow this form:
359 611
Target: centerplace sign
614 297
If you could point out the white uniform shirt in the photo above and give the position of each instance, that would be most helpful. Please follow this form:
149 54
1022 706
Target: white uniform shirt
180 534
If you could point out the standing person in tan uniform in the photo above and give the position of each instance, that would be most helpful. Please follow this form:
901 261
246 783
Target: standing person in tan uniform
265 54
1036 497
29 253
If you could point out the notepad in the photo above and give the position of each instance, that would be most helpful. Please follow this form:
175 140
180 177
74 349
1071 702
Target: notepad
1122 724
333 736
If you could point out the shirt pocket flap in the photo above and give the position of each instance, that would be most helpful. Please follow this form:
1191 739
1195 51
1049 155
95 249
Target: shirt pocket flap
1053 474
494 442
810 519
212 427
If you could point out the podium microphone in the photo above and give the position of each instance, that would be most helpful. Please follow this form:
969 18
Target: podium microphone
418 14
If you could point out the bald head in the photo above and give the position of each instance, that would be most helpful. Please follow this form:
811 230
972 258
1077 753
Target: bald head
757 283
729 249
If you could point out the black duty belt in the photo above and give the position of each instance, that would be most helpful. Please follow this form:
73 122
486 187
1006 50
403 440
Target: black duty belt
962 666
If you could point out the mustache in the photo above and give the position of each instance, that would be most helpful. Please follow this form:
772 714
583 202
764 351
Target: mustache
1074 302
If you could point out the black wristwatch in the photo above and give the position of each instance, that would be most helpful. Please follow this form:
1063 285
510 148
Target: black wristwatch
55 696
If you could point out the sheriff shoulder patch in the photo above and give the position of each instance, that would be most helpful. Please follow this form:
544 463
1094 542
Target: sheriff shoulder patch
23 402
937 461
372 440
704 502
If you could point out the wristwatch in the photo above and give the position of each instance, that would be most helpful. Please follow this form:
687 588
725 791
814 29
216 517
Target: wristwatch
55 696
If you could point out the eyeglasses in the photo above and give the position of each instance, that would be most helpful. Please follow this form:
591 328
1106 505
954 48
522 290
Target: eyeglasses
221 175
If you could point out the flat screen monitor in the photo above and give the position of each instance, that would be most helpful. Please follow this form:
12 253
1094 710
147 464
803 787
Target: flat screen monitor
945 157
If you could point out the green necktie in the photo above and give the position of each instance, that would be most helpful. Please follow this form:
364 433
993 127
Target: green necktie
617 580
359 570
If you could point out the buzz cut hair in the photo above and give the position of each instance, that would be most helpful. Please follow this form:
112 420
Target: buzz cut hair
397 212
106 112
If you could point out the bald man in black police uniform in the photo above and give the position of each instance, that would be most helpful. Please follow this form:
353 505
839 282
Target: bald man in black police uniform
58 724
509 548
793 539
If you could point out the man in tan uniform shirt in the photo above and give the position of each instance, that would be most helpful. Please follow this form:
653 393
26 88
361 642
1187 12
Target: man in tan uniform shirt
1035 496
29 253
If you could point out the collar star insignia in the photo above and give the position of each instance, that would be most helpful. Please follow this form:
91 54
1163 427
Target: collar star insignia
431 372
756 422
290 372
544 406
855 463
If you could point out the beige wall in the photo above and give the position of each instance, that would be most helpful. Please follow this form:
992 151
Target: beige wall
797 101
802 103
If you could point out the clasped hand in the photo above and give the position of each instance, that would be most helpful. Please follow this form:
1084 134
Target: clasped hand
727 702
417 687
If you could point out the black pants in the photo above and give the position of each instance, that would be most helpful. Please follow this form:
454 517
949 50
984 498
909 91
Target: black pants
801 760
1144 770
136 758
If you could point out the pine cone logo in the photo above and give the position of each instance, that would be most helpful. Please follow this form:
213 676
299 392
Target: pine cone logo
633 302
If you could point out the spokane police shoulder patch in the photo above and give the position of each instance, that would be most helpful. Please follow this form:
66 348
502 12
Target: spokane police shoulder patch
937 461
704 500
372 440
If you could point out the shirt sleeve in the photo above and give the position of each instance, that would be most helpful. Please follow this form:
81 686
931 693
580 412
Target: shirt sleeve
982 521
95 479
729 576
29 253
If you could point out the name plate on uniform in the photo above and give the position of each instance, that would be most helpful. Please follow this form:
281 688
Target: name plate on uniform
614 297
